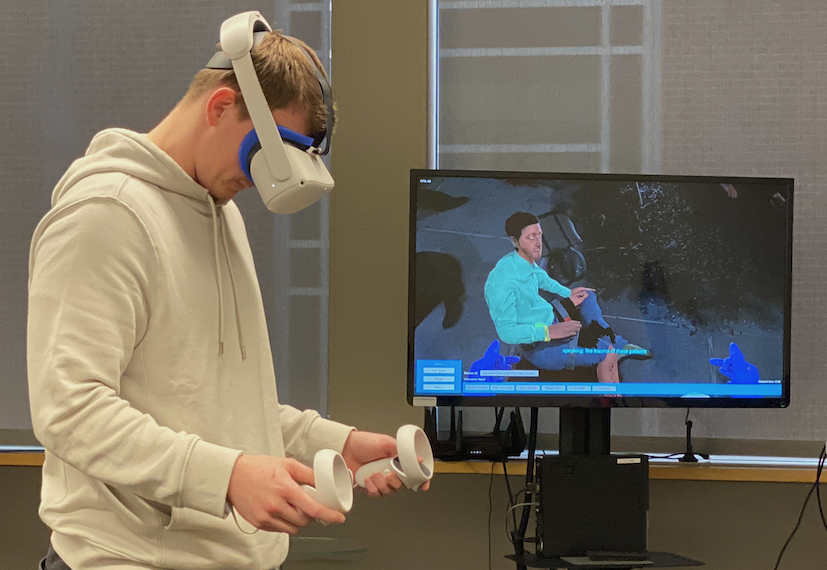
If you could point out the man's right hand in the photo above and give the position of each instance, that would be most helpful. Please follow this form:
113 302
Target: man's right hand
566 329
266 492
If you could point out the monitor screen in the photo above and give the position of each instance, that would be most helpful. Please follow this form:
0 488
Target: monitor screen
548 289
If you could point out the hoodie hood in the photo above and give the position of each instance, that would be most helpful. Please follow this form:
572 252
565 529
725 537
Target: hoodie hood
128 152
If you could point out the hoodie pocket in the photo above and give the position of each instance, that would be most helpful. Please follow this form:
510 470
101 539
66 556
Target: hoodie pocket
183 519
186 519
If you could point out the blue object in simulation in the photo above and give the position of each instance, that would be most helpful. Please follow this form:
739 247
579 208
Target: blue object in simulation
736 367
493 360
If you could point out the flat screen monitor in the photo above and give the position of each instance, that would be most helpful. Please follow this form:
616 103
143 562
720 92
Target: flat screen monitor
592 290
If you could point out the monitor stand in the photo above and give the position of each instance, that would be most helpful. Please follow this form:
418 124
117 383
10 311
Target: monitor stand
586 432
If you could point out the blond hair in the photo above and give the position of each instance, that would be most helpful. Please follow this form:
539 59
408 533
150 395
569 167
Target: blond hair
286 76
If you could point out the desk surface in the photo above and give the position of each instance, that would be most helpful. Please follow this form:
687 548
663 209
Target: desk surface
680 472
677 471
26 458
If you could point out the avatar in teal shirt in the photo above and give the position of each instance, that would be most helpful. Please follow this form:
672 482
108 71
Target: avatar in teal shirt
520 314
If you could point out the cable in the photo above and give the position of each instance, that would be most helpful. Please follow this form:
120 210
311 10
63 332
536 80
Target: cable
490 510
510 502
523 505
512 534
670 456
511 510
821 458
519 537
821 461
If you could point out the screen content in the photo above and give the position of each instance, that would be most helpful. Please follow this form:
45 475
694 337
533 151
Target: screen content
599 286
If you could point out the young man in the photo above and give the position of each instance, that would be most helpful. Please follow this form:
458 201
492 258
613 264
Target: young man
522 316
150 372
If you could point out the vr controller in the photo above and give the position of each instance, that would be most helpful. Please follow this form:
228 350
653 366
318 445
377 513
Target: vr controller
334 481
412 445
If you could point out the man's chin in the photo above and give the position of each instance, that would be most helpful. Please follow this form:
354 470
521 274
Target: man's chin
224 194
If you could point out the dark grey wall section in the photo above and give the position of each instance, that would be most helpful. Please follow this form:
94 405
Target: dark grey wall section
23 537
71 69
730 526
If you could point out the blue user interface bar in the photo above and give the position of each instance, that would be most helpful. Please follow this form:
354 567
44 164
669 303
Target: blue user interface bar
656 390
446 377
435 377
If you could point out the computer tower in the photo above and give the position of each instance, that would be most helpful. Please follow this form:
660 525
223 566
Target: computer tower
592 503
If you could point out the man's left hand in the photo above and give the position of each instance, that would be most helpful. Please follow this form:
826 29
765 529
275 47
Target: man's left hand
363 447
579 294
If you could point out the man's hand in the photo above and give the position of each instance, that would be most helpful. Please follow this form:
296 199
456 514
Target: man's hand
566 329
363 447
265 491
578 295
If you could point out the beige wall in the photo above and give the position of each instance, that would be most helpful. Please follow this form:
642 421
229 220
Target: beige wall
730 526
380 68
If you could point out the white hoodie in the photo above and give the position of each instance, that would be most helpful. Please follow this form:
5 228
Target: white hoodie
150 369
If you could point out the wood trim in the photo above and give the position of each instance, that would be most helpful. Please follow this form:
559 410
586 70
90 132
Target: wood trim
28 459
698 472
706 472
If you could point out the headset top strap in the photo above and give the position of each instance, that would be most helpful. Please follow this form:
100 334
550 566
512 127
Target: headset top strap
220 61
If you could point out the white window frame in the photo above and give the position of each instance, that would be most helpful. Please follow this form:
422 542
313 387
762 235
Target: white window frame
649 49
284 12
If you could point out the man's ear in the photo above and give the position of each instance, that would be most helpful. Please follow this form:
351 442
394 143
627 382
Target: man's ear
514 242
221 101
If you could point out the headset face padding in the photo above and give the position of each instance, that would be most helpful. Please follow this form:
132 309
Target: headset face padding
251 145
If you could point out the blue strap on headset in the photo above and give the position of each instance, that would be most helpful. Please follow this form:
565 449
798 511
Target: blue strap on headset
251 143
298 140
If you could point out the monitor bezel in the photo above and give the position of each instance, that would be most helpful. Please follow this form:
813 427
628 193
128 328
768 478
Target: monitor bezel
594 402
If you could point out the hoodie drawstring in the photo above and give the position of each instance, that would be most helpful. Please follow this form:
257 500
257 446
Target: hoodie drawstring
215 223
235 295
218 276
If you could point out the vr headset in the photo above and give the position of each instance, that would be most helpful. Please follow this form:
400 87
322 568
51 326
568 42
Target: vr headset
285 166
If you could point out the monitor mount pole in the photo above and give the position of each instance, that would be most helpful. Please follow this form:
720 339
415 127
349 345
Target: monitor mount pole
585 431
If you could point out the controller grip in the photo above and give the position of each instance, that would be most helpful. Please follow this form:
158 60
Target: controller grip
383 466
310 492
313 494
